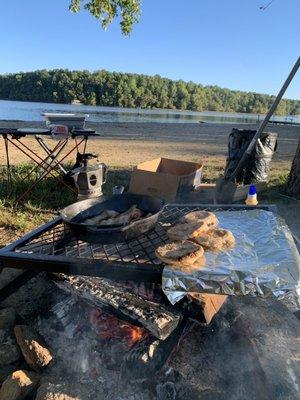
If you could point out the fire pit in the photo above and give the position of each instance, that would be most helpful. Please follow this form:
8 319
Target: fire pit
111 327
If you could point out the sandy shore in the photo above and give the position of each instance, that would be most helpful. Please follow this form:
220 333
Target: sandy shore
127 144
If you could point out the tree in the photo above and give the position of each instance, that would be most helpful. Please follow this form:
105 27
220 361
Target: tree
107 10
293 183
183 96
105 88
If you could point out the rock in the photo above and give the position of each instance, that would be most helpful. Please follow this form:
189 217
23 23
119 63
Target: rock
166 391
18 385
33 347
169 373
51 391
9 353
7 318
7 322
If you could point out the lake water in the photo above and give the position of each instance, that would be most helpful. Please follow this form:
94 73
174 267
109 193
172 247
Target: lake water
29 111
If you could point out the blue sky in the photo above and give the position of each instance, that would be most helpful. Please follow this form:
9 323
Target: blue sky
230 43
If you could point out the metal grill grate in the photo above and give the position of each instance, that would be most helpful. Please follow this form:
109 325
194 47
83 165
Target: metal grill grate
58 241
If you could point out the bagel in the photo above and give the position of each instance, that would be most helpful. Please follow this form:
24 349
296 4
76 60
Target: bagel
184 231
179 253
198 264
216 240
206 216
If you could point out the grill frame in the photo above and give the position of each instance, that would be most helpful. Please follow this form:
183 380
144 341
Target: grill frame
53 248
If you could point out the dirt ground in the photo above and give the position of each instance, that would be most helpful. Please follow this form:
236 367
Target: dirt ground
125 145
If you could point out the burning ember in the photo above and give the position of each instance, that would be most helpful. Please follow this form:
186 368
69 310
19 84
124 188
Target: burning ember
110 327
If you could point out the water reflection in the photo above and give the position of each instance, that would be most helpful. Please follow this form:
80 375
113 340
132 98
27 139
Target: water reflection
29 111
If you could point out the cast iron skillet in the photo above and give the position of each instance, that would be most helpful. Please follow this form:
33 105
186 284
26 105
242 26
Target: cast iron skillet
76 213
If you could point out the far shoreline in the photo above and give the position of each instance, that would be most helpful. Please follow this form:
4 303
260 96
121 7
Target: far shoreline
188 141
255 117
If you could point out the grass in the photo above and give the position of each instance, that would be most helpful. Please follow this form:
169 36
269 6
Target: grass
42 203
49 196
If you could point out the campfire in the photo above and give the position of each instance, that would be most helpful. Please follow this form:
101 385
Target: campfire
76 341
70 335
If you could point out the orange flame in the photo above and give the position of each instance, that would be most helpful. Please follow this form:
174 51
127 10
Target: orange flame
110 327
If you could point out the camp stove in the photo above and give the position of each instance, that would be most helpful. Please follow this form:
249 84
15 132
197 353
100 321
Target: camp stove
89 179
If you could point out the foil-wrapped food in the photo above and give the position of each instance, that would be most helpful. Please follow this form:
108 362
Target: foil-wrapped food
263 260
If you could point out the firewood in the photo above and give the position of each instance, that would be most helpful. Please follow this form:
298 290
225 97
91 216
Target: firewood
160 320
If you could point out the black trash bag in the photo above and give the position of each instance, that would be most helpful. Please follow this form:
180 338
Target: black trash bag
256 168
238 141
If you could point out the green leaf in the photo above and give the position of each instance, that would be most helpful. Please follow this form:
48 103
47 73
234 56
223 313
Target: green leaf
107 10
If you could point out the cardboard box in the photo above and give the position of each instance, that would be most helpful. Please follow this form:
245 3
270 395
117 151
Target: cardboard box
166 178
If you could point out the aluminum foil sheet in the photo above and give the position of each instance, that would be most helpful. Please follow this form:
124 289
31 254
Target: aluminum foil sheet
265 260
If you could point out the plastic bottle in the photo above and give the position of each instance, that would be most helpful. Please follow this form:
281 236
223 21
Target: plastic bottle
251 199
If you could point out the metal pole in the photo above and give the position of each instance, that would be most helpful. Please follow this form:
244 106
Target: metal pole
266 119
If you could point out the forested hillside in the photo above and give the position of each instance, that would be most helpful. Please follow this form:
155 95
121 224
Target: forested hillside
133 90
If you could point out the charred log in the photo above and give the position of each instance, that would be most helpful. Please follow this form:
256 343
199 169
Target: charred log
150 355
160 320
187 307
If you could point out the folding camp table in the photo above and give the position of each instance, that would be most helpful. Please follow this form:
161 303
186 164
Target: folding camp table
54 156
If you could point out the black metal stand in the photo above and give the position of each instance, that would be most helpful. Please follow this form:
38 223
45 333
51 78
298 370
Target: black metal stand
54 249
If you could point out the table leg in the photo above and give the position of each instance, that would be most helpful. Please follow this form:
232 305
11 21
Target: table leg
39 164
47 172
52 155
43 160
9 178
85 144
